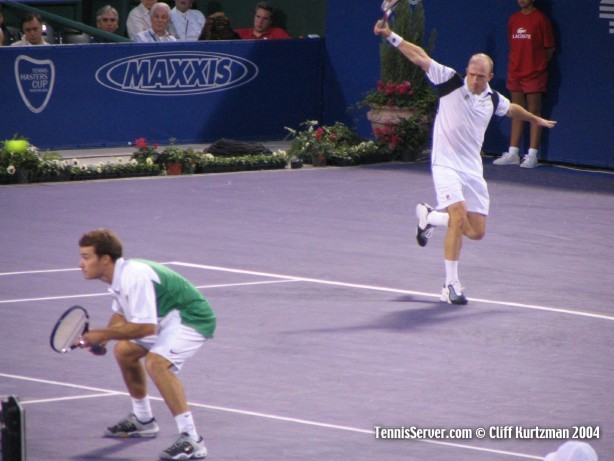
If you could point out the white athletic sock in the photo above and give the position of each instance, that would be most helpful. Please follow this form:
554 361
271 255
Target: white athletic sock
451 271
513 150
533 152
438 218
142 409
185 424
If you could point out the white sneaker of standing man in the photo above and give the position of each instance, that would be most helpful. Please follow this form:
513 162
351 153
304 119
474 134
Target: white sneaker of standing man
529 160
508 158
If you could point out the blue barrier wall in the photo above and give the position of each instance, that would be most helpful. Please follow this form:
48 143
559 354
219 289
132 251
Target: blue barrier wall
73 96
306 79
581 93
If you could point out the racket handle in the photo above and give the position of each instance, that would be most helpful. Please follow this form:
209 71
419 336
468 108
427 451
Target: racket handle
97 349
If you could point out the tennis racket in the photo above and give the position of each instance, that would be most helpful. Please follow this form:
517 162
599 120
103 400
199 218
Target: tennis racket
69 328
388 7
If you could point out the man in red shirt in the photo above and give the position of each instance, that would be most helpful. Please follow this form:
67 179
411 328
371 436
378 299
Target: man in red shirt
531 48
263 30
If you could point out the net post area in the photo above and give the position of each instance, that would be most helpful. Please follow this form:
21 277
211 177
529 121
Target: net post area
13 425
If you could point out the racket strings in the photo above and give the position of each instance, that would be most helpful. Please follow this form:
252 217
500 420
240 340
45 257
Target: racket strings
69 331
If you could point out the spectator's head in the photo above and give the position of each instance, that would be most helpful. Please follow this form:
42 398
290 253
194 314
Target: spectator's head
32 27
148 3
217 27
107 19
183 5
160 17
526 3
263 19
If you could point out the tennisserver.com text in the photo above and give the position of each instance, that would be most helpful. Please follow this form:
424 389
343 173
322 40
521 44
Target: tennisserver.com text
490 432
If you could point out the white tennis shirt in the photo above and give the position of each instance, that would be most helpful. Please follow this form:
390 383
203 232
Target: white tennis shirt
133 293
461 122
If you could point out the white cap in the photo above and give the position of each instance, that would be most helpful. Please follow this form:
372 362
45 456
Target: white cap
573 451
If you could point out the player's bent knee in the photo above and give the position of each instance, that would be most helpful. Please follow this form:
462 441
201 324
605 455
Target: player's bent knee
478 235
128 351
155 363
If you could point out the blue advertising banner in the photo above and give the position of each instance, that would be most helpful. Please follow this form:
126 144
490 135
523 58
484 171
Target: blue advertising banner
72 96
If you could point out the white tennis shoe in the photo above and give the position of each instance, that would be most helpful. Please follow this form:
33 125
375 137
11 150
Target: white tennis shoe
424 231
529 161
453 293
507 159
185 448
131 427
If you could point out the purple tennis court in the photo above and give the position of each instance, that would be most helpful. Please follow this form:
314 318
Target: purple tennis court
329 320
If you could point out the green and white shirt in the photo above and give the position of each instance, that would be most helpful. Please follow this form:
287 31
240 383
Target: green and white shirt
145 292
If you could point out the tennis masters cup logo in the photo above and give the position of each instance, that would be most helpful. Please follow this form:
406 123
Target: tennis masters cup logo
176 73
35 79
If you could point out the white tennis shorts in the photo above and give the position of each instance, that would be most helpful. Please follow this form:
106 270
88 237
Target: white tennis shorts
452 186
175 342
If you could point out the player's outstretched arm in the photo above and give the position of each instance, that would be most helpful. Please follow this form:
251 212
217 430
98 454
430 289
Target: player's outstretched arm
520 113
414 53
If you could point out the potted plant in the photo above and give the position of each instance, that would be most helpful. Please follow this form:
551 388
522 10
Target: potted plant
323 144
403 91
405 140
19 160
173 159
337 145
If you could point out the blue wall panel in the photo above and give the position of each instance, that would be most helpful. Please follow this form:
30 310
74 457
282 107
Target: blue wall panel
110 94
312 79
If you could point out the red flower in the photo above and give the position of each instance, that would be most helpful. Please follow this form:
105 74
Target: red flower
319 133
140 143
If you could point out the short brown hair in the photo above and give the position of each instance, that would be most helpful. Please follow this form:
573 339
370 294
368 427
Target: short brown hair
104 241
264 6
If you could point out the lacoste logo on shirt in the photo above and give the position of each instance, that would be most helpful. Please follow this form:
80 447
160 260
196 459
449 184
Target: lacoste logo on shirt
522 34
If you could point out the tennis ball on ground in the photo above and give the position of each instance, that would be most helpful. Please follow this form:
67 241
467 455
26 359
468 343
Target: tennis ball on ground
16 145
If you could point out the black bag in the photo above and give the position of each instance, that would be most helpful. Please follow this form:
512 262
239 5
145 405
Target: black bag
230 148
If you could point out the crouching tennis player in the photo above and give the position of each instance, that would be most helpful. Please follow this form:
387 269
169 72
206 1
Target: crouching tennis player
157 316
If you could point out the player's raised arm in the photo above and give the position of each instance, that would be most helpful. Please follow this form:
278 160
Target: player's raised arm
414 53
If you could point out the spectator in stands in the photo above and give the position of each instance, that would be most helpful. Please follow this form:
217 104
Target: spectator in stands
218 28
531 41
263 25
160 19
8 35
107 19
139 18
187 23
32 27
5 35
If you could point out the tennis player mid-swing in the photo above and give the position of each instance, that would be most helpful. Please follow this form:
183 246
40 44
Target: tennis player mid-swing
466 106
157 316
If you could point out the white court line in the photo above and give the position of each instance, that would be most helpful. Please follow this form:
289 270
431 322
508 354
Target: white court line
39 272
290 278
393 290
92 295
268 282
306 422
51 298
